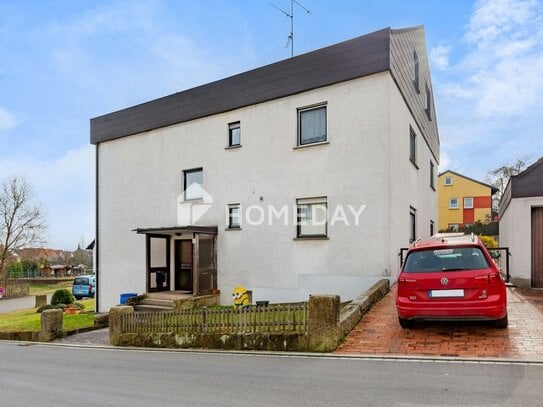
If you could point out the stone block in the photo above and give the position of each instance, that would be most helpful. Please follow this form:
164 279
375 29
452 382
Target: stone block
40 300
51 325
115 322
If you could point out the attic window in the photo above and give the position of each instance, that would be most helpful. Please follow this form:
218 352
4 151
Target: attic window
447 181
416 71
428 103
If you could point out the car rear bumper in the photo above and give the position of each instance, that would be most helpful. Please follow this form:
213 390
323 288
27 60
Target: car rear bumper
477 310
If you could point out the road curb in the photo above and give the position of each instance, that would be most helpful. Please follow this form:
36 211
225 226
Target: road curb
374 357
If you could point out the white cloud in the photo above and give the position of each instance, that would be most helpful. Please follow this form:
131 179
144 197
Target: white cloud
7 120
439 57
444 161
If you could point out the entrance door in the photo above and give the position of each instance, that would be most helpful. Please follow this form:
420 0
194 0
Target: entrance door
158 263
537 247
183 265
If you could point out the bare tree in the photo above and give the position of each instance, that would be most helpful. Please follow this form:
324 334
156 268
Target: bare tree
21 222
499 177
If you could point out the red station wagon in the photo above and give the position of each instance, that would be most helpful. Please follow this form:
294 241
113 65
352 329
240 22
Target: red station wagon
450 277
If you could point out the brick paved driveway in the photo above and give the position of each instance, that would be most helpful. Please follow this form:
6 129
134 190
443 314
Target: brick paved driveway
379 332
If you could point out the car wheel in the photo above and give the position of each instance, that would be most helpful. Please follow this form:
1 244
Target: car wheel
501 323
405 323
77 298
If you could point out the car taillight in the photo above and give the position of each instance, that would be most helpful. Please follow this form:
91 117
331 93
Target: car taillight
482 280
492 278
90 288
407 282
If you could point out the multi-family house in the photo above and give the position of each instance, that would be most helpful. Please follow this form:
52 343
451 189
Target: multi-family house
301 177
462 201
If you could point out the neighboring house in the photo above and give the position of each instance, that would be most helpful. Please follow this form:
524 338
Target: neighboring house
521 225
462 201
183 181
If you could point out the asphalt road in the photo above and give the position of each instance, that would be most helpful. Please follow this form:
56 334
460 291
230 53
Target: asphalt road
15 304
42 375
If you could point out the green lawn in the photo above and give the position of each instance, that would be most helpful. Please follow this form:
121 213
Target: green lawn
37 289
29 320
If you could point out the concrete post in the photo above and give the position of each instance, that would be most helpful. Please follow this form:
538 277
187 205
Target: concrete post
51 325
323 321
40 300
115 322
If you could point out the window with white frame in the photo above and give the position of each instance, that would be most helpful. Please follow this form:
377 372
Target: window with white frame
312 217
453 203
447 181
312 125
454 227
468 203
234 216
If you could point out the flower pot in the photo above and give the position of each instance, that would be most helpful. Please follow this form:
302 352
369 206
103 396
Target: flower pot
71 310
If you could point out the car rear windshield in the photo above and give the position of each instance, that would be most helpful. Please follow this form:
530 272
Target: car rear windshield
446 259
81 281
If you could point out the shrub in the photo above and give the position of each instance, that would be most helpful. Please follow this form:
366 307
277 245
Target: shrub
488 241
62 296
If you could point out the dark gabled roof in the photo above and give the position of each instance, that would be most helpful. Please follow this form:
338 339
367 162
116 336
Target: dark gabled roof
347 60
492 188
529 182
388 49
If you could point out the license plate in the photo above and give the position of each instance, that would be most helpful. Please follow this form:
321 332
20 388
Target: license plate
445 293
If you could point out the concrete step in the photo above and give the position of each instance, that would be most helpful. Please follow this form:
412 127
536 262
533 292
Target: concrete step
152 308
158 302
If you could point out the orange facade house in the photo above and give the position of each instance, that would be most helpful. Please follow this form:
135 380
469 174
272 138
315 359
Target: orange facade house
462 201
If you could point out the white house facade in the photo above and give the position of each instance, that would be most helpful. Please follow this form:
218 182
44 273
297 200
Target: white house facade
302 177
521 226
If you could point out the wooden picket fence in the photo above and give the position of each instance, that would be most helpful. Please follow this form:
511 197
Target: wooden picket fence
274 318
14 288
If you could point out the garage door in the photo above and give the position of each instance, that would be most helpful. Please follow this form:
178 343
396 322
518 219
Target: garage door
537 247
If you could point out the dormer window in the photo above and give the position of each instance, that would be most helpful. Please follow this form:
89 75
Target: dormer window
416 71
428 103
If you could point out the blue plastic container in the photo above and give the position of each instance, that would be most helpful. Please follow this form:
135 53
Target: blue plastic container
126 296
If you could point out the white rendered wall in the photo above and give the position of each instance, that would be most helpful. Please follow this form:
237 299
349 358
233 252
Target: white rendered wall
410 184
141 178
516 233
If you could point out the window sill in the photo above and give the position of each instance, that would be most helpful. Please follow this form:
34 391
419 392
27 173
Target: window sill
414 164
193 200
231 229
232 147
312 238
320 143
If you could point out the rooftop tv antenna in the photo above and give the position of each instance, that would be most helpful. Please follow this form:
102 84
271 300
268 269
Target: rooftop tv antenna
291 16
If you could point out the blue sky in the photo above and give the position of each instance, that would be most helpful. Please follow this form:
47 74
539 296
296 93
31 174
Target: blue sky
63 62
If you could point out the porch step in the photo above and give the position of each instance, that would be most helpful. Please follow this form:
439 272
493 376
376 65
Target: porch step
152 308
158 302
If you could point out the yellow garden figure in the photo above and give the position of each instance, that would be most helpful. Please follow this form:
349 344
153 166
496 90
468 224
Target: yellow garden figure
241 299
